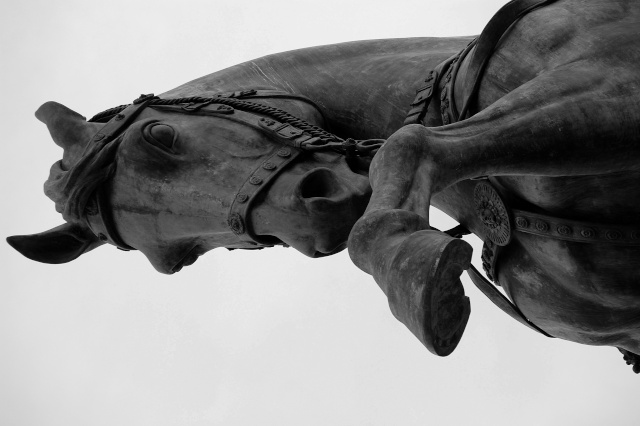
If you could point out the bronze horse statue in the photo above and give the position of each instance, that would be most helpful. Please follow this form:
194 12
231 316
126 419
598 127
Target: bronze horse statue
527 136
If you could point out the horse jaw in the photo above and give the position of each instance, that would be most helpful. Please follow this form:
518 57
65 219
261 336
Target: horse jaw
68 129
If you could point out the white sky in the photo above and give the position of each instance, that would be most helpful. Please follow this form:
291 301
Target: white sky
239 338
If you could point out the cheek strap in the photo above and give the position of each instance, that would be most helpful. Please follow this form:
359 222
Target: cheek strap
258 179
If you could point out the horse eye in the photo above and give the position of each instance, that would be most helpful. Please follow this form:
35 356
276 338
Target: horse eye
161 135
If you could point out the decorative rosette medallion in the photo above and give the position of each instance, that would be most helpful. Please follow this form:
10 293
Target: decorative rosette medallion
493 212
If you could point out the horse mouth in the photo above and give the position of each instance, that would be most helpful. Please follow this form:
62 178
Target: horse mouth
189 259
338 249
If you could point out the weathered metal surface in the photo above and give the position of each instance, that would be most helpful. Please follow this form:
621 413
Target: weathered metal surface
554 121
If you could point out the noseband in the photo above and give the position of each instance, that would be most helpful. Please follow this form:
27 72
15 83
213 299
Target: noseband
294 134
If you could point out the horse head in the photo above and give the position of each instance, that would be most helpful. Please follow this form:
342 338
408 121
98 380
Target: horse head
176 179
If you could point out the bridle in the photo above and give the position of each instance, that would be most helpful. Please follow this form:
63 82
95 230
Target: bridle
292 135
314 139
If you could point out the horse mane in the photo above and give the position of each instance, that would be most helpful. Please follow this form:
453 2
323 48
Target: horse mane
72 190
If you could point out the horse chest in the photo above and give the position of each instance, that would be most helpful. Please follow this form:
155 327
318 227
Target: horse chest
603 199
582 292
576 290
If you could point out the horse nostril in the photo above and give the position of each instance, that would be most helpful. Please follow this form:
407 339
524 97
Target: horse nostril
319 183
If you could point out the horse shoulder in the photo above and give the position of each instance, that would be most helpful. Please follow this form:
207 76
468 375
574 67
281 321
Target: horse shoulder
588 293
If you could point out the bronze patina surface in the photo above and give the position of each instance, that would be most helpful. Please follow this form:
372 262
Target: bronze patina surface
552 122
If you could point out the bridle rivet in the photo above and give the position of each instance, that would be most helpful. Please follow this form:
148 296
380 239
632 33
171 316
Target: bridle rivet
564 230
284 152
613 235
588 233
541 226
255 180
242 197
268 165
98 137
118 117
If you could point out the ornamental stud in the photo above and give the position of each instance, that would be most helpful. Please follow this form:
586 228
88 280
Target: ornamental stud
613 235
284 152
521 222
564 230
541 226
588 233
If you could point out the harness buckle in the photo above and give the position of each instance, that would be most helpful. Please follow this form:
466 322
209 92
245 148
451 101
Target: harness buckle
289 132
270 124
283 130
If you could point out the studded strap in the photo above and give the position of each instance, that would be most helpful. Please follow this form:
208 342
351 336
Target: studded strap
258 179
573 230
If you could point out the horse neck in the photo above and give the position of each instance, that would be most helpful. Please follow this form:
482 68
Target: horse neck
363 88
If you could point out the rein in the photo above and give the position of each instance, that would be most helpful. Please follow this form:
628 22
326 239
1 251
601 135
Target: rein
320 139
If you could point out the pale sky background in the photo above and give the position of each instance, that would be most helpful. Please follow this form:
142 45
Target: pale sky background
239 338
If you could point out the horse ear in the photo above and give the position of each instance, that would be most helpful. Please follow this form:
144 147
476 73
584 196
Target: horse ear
61 244
68 129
